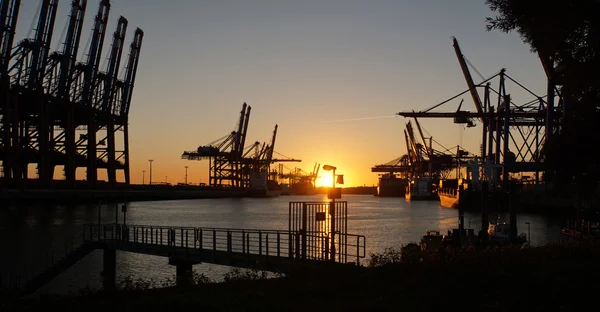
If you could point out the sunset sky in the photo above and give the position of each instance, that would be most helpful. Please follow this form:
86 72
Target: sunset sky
331 73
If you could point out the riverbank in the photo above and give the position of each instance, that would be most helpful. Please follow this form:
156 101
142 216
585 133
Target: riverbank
559 277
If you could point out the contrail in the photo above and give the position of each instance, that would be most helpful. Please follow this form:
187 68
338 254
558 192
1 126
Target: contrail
353 119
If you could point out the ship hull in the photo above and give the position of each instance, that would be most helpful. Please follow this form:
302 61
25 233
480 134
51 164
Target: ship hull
420 189
449 201
392 187
302 188
410 197
264 193
285 190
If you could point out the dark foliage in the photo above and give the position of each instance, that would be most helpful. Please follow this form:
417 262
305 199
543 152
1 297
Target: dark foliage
556 277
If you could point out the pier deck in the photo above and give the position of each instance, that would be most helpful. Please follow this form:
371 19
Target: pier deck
271 250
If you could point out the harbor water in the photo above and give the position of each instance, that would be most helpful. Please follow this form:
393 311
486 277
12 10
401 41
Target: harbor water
33 235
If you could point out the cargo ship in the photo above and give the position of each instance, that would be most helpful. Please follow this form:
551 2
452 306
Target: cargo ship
391 185
449 192
304 186
462 194
421 189
285 189
261 187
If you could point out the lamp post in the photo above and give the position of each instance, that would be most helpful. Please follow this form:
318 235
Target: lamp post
186 167
150 160
332 209
528 232
143 177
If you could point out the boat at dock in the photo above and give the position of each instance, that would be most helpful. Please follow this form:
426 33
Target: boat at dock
285 189
303 187
391 185
421 189
261 187
499 233
450 191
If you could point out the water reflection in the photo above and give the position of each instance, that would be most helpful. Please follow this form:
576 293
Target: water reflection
35 234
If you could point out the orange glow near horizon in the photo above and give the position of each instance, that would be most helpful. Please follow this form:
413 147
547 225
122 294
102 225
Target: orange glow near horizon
324 180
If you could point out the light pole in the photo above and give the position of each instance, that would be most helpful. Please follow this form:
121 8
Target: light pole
150 160
332 209
186 175
528 232
143 177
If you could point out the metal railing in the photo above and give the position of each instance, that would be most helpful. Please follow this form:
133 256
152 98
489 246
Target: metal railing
290 244
448 192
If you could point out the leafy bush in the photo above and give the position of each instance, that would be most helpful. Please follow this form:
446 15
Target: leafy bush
389 255
244 275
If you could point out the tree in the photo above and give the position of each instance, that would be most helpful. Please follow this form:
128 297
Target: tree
566 33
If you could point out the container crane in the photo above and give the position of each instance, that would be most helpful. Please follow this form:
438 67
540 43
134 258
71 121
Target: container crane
526 120
225 154
9 13
48 98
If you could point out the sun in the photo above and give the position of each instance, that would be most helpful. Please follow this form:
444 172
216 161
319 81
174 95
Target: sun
324 180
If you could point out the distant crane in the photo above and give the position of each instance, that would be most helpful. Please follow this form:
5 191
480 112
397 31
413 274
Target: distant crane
230 164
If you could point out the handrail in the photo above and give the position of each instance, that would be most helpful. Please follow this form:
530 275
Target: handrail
280 243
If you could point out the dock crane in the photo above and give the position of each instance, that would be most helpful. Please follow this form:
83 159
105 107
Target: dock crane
9 13
527 119
29 60
58 80
225 154
230 163
48 98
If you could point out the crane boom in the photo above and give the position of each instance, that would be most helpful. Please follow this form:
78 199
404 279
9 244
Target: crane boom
427 148
468 78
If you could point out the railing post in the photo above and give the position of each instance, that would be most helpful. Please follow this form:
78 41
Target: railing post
267 245
214 240
326 248
228 241
259 243
248 243
358 250
200 235
290 245
278 245
243 241
195 238
296 251
186 238
151 236
181 230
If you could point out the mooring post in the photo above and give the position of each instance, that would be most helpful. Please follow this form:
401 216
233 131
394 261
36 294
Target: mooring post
109 272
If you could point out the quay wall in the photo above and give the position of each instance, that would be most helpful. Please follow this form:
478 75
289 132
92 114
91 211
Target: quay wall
148 193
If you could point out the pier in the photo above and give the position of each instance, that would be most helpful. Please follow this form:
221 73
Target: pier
306 242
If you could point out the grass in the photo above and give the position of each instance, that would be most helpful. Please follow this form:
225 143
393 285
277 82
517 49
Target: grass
553 277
